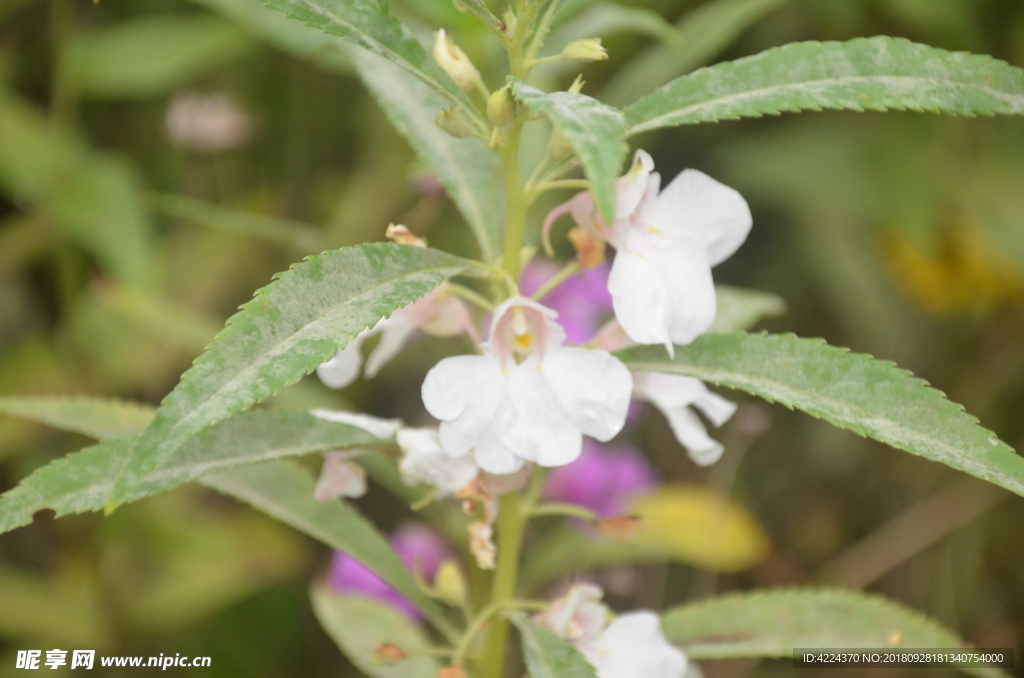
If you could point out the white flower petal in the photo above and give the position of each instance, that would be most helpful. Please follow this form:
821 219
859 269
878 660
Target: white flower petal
686 275
674 395
342 369
464 393
532 422
633 646
425 461
394 332
579 615
640 299
375 426
593 388
696 207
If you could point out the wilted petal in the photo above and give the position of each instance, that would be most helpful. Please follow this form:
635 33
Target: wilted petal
464 393
577 615
593 388
425 461
339 477
633 646
696 207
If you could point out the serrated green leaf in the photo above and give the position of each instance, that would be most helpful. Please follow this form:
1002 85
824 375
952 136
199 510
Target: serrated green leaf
81 481
91 198
358 625
284 491
595 131
293 37
98 418
469 172
864 74
291 326
150 56
771 623
703 33
547 655
871 397
739 308
362 23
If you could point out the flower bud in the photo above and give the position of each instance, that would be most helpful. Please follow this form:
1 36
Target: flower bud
501 107
585 50
455 62
449 584
450 121
481 545
589 248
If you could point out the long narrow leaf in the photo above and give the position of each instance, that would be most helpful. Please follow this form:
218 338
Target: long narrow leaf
290 327
98 418
547 655
864 74
871 397
284 491
362 22
771 623
469 172
81 482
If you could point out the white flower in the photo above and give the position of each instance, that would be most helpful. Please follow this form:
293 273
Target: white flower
631 646
667 243
425 461
437 314
207 122
527 398
675 396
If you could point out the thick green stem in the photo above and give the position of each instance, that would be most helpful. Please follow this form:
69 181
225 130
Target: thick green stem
510 539
516 217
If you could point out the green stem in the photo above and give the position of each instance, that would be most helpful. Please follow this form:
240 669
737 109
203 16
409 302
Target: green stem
516 216
557 279
510 539
469 295
557 509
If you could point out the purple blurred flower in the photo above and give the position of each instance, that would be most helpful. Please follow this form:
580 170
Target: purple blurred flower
602 479
419 546
582 301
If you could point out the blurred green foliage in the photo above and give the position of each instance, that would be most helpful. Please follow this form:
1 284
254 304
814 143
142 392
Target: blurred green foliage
159 161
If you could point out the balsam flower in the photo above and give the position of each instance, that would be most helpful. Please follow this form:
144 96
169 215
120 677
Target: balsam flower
631 645
438 314
528 397
667 244
419 546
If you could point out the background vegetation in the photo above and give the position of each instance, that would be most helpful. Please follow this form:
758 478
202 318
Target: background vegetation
129 232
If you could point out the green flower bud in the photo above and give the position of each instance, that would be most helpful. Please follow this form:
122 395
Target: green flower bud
501 107
585 50
450 121
558 145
